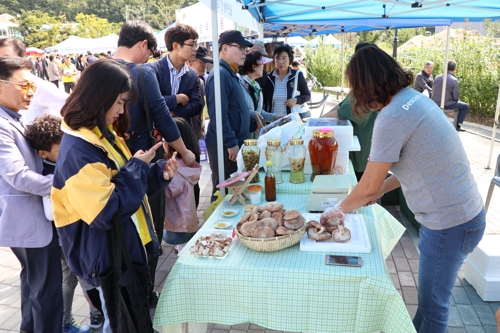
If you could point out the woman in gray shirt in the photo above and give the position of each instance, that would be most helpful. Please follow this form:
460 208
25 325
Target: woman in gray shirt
416 141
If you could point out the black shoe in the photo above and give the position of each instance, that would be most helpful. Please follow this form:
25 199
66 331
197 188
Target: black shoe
460 129
26 331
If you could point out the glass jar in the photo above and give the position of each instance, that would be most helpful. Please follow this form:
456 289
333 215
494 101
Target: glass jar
274 153
323 150
297 159
251 155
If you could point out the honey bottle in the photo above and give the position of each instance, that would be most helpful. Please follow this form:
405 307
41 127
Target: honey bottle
270 183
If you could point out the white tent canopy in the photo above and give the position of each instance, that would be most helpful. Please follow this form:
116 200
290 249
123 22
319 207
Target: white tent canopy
329 39
76 45
292 41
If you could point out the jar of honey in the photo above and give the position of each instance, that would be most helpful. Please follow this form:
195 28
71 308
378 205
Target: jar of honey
323 150
251 155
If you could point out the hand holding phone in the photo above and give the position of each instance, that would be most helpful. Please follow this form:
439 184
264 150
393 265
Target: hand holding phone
336 260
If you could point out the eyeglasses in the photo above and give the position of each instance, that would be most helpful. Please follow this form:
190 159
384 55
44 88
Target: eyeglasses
241 48
193 46
24 86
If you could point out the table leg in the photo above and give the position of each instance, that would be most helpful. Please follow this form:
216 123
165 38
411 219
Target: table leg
185 328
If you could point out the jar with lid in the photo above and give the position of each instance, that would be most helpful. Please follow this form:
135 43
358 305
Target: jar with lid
251 155
297 159
323 149
274 153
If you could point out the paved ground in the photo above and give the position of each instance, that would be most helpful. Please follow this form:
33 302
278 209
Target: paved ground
468 312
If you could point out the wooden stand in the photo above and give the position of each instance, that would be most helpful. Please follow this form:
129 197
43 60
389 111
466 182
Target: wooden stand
237 189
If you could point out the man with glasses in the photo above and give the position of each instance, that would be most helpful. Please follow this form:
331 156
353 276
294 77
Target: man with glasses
423 80
237 121
136 44
179 85
23 226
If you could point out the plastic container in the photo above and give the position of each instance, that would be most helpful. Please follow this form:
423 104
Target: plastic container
255 194
274 153
297 160
323 149
251 155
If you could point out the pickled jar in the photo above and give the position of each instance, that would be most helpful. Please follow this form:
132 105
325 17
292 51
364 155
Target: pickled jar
297 159
274 153
323 149
251 155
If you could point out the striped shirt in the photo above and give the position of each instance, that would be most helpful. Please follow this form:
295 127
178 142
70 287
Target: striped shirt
280 95
175 77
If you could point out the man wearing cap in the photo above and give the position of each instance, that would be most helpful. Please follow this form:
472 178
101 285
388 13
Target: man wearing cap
180 86
237 122
68 73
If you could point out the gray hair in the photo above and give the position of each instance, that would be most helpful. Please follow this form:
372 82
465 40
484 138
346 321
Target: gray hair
428 63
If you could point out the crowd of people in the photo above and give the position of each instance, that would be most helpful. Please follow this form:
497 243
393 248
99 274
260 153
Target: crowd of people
121 146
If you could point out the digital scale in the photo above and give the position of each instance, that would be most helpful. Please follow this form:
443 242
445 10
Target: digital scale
327 190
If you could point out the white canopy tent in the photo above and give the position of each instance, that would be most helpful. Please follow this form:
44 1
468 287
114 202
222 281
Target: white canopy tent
76 45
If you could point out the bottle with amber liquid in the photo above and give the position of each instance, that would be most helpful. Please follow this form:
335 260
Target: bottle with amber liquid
323 149
270 183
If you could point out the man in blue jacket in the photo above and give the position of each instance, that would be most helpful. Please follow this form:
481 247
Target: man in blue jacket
179 85
237 122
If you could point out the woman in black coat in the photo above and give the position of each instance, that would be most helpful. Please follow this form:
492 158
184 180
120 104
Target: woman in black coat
281 81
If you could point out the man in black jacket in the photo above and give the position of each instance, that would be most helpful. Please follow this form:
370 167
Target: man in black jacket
423 80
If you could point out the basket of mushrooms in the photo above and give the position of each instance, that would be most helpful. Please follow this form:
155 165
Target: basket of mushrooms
270 228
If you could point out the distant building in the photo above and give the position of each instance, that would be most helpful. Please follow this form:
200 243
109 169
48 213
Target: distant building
468 24
9 29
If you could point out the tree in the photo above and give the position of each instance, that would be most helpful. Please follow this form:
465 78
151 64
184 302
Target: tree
91 26
492 28
41 30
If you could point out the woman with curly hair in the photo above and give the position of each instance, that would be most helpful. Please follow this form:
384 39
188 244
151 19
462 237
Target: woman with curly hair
416 141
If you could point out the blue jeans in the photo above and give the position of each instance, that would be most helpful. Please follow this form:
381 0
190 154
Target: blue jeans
442 253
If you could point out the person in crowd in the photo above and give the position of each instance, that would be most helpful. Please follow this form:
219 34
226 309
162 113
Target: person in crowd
252 69
423 80
31 61
362 127
295 65
237 122
136 44
90 58
416 142
45 66
179 85
68 73
48 99
44 135
80 63
53 71
281 81
259 45
59 61
102 55
181 223
39 67
109 55
95 169
451 94
32 238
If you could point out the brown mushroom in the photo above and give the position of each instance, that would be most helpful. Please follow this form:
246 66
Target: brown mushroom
274 206
295 223
263 232
342 234
284 231
291 214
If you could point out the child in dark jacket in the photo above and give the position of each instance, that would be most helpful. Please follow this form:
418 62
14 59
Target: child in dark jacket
44 135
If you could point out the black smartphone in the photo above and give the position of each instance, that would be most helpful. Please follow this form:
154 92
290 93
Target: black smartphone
331 259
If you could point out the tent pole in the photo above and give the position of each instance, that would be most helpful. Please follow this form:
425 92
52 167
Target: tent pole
395 44
342 65
445 75
218 111
493 134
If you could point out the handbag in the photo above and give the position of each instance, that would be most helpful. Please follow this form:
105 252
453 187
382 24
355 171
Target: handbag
302 109
125 286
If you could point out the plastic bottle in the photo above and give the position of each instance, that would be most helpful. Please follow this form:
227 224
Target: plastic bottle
270 183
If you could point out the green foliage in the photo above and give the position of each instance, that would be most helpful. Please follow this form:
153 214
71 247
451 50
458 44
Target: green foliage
492 28
91 26
42 30
325 64
477 71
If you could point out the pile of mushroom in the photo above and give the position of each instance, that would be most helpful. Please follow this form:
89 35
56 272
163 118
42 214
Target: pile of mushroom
330 229
269 221
215 245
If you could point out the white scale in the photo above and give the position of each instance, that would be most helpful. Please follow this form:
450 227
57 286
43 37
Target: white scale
327 190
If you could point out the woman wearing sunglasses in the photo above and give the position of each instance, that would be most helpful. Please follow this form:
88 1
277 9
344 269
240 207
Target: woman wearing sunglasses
23 226
96 177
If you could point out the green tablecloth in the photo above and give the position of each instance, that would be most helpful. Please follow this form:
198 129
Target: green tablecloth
288 290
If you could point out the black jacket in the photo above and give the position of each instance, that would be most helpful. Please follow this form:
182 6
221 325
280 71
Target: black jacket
305 94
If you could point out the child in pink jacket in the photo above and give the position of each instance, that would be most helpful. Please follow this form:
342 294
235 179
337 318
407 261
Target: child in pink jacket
181 220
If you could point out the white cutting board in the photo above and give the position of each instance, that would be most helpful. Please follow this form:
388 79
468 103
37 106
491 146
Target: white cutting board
360 242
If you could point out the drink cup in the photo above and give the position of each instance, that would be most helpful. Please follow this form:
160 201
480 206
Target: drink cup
255 194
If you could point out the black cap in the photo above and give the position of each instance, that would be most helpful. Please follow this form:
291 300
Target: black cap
233 36
202 54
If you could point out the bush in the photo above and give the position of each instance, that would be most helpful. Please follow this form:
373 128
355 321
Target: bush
477 71
324 63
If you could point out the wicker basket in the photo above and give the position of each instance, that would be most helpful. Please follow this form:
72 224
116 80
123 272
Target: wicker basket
271 244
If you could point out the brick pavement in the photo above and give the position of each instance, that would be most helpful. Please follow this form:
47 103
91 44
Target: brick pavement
468 312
